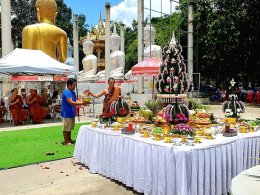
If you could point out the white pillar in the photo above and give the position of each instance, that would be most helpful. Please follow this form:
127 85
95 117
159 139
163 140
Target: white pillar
190 42
7 44
107 42
76 43
140 13
122 36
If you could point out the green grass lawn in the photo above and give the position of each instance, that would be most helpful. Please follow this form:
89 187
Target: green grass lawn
29 146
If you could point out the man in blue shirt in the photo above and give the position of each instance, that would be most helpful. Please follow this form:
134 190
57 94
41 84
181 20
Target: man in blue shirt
68 110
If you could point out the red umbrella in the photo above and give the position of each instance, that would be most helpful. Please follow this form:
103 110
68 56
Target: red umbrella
149 66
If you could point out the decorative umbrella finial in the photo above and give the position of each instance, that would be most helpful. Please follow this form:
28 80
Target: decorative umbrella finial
232 82
173 41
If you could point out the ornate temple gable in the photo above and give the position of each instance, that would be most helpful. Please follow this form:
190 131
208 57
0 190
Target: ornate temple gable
97 36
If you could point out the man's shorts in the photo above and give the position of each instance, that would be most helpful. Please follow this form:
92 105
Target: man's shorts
68 124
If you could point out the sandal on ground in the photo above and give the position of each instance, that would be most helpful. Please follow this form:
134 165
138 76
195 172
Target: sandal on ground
73 141
68 144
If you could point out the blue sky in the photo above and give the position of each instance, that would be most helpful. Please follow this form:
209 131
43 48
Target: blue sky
121 10
90 8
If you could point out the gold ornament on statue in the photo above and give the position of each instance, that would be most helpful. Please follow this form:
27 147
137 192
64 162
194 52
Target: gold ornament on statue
44 35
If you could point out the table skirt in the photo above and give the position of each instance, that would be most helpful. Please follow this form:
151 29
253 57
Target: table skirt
152 167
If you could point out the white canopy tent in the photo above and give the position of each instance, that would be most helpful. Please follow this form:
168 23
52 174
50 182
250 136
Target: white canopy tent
33 62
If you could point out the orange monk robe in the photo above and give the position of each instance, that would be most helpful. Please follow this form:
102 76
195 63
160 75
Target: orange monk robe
109 98
18 113
37 112
45 104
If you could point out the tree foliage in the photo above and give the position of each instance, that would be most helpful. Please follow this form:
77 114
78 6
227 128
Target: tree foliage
164 27
228 38
63 19
23 13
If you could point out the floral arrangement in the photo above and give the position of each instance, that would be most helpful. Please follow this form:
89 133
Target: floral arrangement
233 108
177 113
120 107
180 118
123 111
183 129
172 77
107 118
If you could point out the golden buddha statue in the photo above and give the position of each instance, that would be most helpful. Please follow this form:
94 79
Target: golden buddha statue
92 34
45 35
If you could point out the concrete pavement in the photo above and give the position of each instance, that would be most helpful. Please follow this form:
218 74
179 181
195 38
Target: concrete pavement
61 177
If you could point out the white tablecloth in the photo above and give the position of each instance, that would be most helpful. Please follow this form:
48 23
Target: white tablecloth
247 182
155 167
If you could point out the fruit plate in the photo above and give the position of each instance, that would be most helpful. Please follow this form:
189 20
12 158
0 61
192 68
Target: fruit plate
139 120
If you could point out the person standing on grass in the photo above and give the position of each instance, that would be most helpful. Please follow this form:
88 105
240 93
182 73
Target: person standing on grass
68 110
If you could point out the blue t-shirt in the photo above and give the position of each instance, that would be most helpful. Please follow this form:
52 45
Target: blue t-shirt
67 110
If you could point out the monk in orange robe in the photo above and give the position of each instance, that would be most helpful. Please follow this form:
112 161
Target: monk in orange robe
15 106
34 102
111 94
45 102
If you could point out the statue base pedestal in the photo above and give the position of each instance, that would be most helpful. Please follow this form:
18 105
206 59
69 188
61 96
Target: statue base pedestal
87 78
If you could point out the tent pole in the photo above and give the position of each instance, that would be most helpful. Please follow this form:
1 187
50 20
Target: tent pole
53 84
153 88
77 95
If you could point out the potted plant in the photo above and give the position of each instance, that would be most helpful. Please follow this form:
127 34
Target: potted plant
154 106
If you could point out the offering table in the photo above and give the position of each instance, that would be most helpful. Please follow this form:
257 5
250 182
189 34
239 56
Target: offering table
156 167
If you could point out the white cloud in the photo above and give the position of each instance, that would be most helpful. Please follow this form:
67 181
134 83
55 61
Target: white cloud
126 11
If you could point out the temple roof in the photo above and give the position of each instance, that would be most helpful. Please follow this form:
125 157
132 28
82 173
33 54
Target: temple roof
99 32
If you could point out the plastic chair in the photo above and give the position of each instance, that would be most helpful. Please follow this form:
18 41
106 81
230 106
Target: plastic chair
250 97
257 98
78 110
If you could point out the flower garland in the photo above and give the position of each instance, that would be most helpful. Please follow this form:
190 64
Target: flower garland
177 112
120 107
233 107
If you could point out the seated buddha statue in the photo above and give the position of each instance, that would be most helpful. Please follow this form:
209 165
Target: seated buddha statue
89 62
93 33
45 35
149 47
117 58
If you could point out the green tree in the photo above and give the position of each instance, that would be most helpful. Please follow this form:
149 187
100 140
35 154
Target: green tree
228 38
131 46
23 13
164 27
131 55
63 19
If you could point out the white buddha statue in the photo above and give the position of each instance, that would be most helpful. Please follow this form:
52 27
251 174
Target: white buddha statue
117 58
149 37
89 62
149 47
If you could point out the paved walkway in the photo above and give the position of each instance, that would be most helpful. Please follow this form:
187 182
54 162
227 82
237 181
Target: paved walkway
67 176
